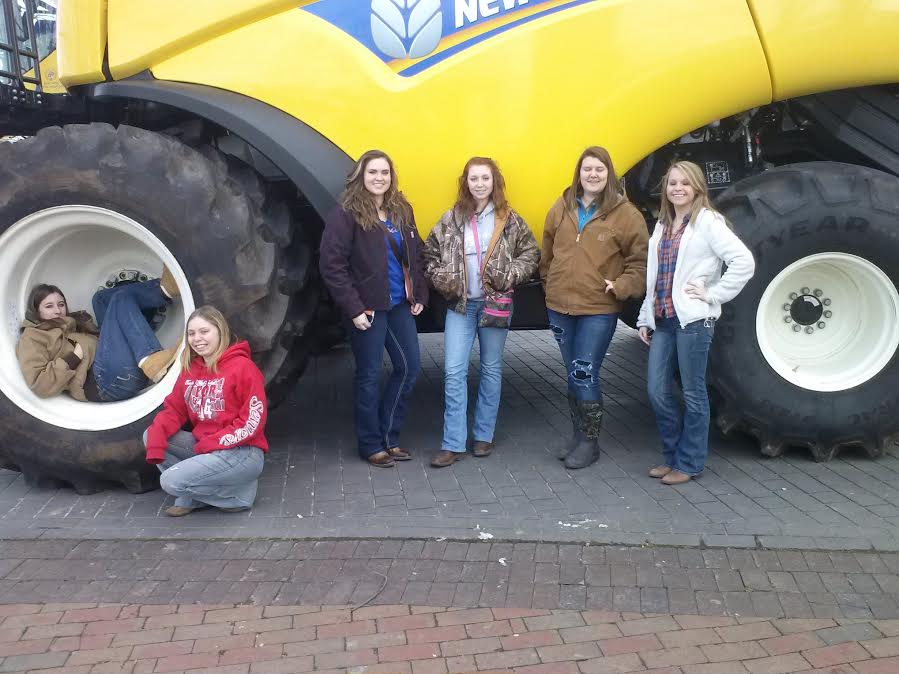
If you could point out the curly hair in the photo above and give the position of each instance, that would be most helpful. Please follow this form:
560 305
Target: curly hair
360 204
465 202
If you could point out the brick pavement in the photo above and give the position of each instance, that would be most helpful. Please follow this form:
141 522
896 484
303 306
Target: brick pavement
314 485
242 607
81 638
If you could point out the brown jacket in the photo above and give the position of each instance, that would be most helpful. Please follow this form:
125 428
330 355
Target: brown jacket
510 260
574 267
47 356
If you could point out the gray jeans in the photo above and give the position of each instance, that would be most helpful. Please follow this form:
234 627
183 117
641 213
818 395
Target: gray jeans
225 479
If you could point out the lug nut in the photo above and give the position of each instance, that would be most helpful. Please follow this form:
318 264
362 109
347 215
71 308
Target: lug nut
786 307
828 314
787 319
797 328
809 330
821 325
793 296
818 292
805 291
826 301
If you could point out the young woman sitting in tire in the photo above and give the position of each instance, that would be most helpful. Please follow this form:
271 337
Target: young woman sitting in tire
684 294
593 258
371 262
61 351
221 393
476 255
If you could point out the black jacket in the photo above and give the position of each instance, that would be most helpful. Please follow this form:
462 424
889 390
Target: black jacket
353 264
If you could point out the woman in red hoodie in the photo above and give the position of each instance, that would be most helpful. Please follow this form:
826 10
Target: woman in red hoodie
222 393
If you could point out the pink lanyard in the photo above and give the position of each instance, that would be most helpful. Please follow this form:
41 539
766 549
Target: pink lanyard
477 238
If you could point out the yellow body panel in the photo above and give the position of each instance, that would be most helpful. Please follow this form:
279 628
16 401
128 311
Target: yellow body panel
81 41
529 82
628 74
141 32
824 45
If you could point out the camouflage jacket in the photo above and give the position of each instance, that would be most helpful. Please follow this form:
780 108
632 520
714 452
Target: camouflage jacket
511 259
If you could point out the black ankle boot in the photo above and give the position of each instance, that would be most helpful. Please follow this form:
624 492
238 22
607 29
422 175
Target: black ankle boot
586 451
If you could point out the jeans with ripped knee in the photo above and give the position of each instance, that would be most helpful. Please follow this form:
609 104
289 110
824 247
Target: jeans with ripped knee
583 341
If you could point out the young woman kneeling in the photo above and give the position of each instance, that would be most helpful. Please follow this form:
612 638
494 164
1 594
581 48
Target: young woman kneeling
221 393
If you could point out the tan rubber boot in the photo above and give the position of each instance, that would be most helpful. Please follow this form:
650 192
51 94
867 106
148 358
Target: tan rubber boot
157 364
168 285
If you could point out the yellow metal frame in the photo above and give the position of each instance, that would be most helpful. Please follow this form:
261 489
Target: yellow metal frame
628 74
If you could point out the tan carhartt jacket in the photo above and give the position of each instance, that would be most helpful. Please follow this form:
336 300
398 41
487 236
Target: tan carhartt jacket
47 355
574 266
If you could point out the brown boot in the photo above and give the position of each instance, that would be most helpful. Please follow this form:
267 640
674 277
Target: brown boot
157 364
179 511
168 285
482 448
445 458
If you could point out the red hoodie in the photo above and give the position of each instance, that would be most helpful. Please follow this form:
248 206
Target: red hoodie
227 408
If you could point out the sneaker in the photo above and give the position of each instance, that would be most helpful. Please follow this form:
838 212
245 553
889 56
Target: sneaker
168 285
157 364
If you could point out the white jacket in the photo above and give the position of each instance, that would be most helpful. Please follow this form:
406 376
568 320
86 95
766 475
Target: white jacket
705 244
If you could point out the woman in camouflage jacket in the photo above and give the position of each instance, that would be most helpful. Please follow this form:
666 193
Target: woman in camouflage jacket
476 255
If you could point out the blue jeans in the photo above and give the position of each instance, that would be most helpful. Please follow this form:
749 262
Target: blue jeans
125 337
380 417
225 479
583 341
458 339
685 434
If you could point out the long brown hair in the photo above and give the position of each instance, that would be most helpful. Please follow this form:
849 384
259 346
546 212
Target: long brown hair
211 315
38 294
696 178
360 203
610 192
465 203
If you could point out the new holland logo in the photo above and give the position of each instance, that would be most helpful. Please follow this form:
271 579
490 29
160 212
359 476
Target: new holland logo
406 28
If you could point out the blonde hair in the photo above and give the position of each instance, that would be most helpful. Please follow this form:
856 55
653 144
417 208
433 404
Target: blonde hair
211 315
696 178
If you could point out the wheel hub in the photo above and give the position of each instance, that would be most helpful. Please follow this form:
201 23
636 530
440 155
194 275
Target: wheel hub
807 309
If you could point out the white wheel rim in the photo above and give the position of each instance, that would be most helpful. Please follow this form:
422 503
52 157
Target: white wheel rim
77 248
855 335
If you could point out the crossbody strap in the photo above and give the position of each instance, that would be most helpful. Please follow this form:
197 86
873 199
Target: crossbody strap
397 251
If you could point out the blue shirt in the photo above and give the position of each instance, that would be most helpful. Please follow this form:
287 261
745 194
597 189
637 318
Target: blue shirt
584 214
396 281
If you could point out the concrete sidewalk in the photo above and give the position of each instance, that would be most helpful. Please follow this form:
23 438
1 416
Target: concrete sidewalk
315 486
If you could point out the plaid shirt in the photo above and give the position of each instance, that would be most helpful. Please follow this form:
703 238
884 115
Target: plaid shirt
669 245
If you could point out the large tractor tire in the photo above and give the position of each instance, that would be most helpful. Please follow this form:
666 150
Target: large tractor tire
806 355
84 205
